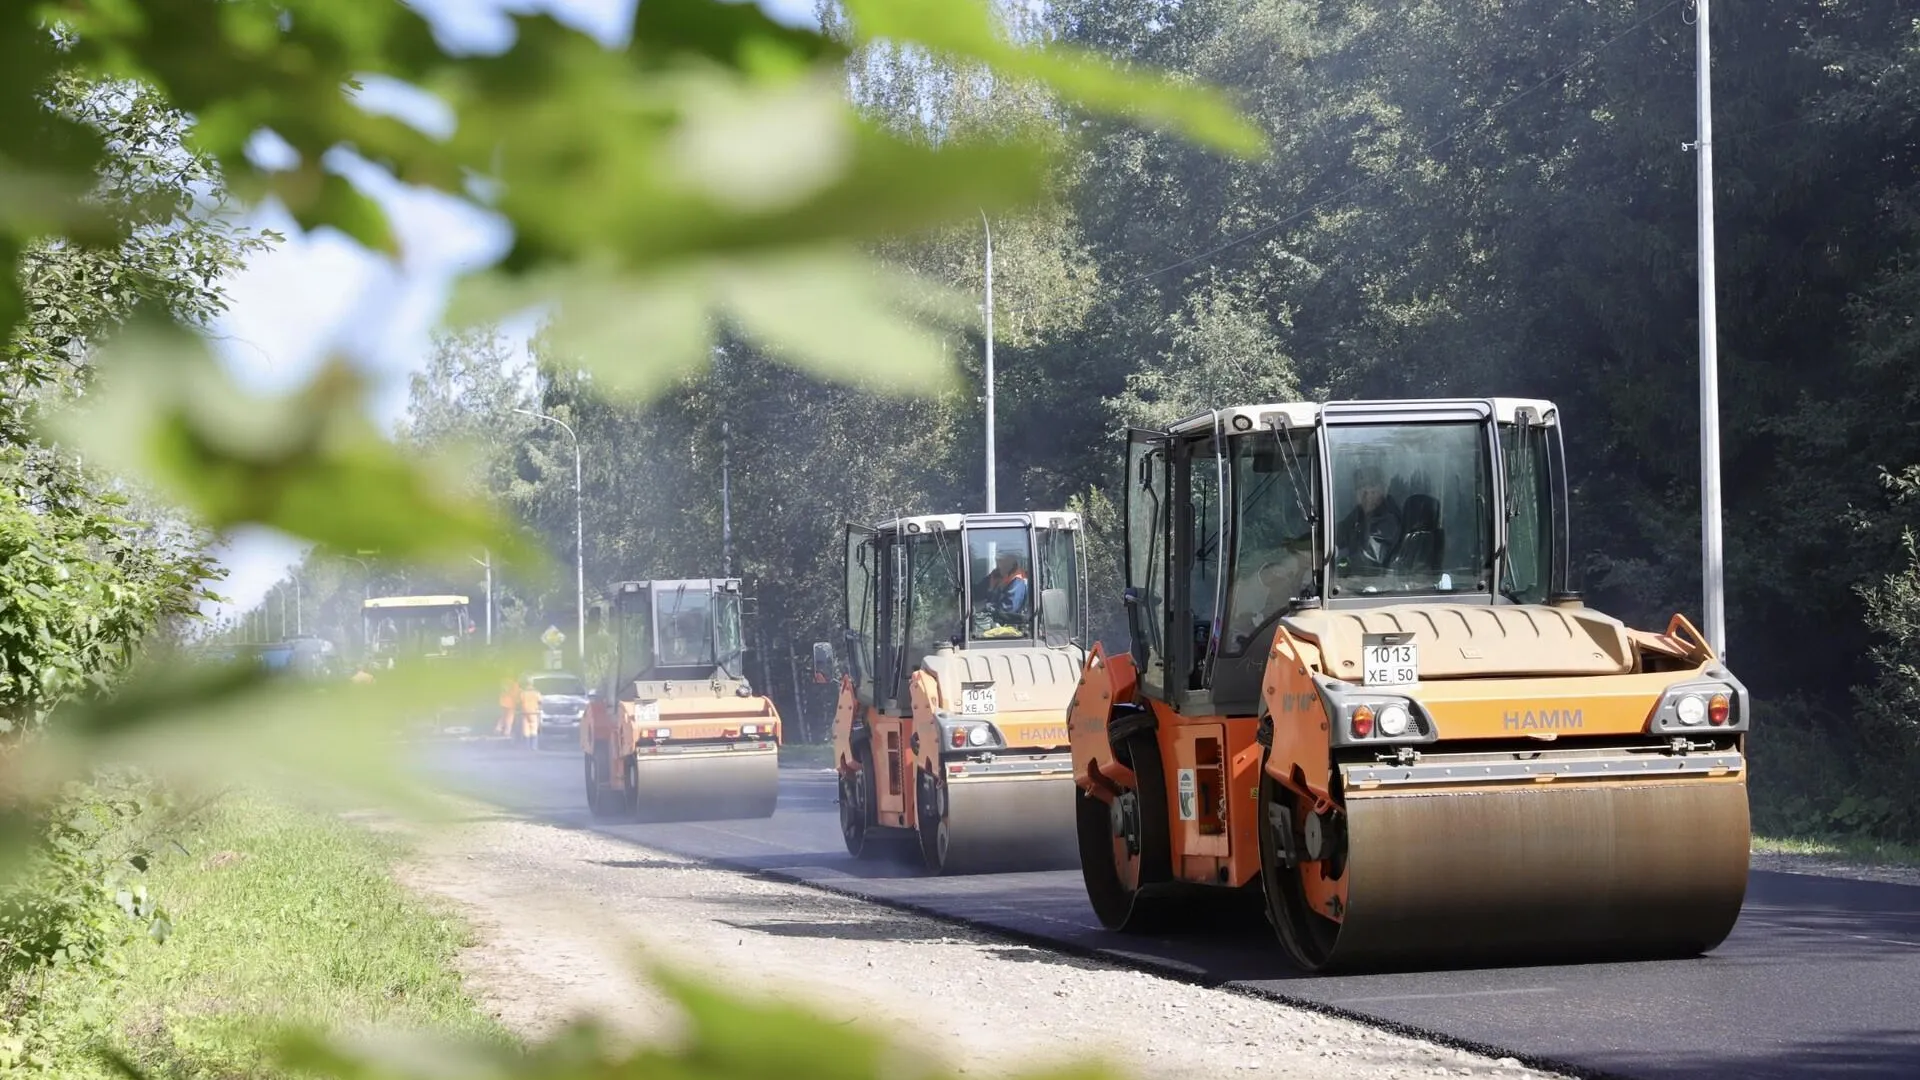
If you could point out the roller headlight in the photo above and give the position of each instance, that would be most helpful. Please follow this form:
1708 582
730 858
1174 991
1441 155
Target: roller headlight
1691 710
979 736
1365 719
1694 707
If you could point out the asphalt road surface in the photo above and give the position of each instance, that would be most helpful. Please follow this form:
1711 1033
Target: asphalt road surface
1821 977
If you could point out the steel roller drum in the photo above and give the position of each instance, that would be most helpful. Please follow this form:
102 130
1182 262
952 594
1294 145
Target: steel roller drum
707 787
1598 871
995 825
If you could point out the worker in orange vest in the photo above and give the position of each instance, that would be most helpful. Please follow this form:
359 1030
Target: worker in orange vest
530 714
509 705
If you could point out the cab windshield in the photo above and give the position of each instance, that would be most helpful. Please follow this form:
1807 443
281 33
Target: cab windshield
1000 564
698 626
1415 510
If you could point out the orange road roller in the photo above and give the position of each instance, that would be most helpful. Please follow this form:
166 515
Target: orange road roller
678 733
1359 675
965 636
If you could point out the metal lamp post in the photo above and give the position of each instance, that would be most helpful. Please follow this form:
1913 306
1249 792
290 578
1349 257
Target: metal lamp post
988 308
1712 565
579 540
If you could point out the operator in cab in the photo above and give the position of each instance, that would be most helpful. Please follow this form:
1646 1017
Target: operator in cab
1002 610
1371 531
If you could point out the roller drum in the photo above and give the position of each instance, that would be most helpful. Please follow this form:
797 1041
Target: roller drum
705 787
1598 871
1011 824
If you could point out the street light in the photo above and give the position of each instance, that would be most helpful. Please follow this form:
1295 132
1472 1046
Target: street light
988 308
488 563
579 539
366 577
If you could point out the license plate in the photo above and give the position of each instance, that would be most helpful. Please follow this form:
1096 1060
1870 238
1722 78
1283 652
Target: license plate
977 699
1393 660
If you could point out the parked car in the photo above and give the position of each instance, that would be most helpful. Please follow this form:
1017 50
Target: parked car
563 700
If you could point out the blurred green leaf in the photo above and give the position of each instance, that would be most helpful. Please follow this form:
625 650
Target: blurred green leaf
965 29
208 723
310 464
327 198
846 318
729 1037
828 310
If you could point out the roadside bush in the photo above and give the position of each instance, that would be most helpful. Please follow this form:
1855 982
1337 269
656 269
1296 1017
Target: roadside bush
73 897
1882 804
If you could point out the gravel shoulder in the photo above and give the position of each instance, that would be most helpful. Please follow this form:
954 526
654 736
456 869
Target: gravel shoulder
559 911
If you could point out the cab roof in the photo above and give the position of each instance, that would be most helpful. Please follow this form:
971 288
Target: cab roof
1019 519
660 584
413 601
1306 414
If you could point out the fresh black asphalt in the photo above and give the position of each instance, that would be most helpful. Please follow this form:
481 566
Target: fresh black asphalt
1821 976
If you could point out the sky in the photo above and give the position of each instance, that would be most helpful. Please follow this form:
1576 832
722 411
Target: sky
320 293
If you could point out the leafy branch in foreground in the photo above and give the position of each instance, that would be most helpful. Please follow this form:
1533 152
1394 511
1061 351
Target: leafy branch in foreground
709 172
727 1037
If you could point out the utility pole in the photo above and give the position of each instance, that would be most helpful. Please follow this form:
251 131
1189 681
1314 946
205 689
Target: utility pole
726 503
1712 564
984 224
799 702
579 540
488 563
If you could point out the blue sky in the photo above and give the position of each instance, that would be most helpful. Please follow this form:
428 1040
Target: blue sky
321 293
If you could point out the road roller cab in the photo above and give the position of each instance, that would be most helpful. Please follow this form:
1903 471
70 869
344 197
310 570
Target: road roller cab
676 732
1361 685
965 635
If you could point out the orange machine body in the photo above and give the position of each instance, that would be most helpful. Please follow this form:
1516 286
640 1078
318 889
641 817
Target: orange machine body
1413 736
964 637
677 732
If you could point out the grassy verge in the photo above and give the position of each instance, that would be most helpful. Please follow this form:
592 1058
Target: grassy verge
807 754
1840 849
279 915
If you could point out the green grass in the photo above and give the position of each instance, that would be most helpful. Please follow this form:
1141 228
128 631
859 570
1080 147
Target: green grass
280 915
1840 849
807 754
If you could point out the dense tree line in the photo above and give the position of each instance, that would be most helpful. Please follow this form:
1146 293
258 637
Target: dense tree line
1491 199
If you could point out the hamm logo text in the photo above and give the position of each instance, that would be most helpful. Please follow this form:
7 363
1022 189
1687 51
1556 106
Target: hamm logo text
1544 720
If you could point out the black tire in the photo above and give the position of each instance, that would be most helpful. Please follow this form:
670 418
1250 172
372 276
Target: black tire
857 796
931 821
596 801
1308 938
1125 901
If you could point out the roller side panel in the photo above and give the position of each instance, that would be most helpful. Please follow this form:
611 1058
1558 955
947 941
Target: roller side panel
1302 756
1105 683
846 709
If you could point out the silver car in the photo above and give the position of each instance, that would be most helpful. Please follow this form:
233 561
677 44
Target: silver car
563 702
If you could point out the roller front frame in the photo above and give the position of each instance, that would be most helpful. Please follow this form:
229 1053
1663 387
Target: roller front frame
1014 802
1636 840
1506 797
644 762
